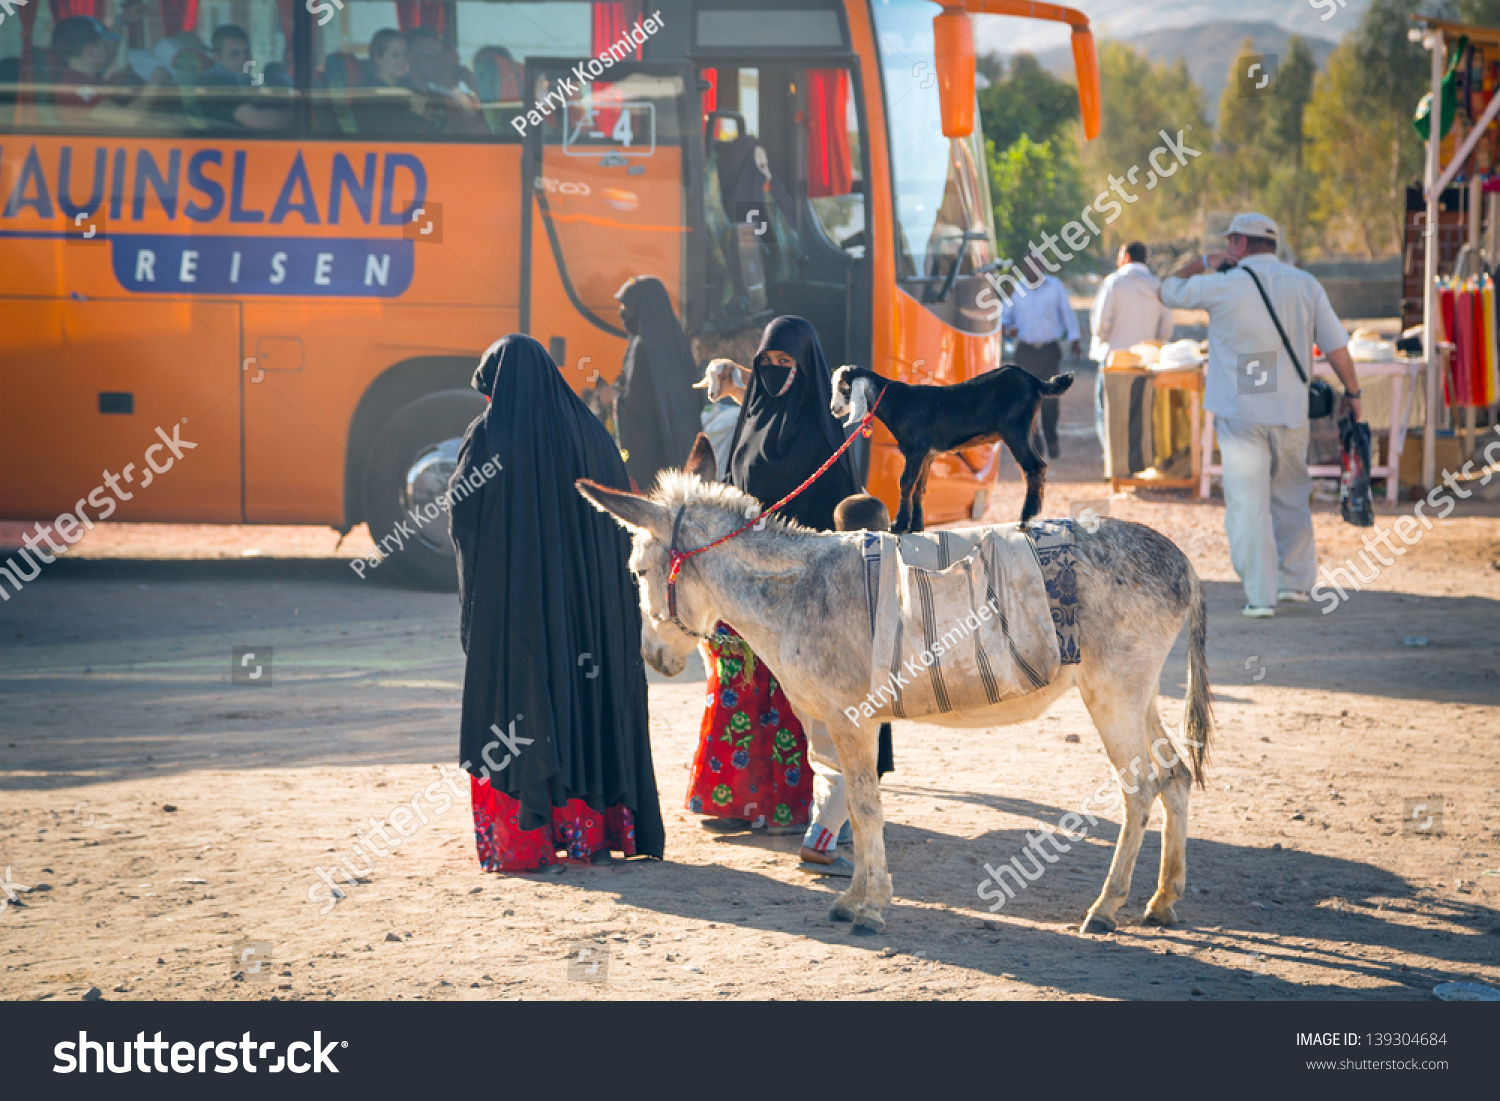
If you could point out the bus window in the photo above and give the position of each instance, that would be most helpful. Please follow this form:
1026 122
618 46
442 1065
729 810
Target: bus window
945 225
400 70
191 70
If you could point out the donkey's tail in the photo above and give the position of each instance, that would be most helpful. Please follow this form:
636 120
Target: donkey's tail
1198 721
1055 385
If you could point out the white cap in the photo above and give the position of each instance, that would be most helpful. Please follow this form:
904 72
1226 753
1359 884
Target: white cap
1253 225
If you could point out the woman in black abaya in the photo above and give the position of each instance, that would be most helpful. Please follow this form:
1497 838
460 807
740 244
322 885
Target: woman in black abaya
752 766
554 730
786 431
657 412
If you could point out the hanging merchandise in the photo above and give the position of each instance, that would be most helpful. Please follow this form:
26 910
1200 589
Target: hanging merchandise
1491 371
1450 97
1463 356
1478 360
1466 312
1448 334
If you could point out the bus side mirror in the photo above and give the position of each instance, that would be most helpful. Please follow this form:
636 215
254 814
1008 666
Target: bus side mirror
953 39
1086 66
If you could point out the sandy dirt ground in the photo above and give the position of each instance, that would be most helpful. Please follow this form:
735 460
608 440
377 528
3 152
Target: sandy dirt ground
168 821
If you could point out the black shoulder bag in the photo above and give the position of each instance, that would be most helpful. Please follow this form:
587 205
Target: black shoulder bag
1319 393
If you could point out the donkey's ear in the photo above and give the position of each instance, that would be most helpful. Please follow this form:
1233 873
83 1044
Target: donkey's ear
630 510
702 461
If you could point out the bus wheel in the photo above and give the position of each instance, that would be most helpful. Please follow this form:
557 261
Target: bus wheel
409 466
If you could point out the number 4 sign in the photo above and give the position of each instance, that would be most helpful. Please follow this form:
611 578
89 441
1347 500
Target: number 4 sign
632 129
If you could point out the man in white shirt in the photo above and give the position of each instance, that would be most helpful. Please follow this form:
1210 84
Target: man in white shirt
1259 402
1126 311
1039 316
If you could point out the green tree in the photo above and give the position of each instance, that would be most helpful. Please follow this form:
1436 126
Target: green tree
1141 99
1028 101
1260 160
1351 153
1483 13
1360 144
1036 188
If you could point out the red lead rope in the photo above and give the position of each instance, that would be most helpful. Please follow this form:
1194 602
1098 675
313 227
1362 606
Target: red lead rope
866 428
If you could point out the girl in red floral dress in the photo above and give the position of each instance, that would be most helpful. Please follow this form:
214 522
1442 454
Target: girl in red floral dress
751 766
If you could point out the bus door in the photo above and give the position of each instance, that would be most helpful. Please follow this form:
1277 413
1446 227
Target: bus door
614 172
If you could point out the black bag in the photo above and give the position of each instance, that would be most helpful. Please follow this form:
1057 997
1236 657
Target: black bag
1319 393
1354 477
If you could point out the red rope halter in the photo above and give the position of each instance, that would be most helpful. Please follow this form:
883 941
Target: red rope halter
866 428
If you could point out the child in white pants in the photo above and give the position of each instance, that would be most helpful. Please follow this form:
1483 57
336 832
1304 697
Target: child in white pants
830 807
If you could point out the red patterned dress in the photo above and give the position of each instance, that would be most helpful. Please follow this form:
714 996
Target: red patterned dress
752 755
576 829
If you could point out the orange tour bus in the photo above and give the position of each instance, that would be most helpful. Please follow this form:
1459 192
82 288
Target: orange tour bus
250 250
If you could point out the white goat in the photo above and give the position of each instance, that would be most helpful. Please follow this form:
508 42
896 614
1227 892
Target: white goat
724 378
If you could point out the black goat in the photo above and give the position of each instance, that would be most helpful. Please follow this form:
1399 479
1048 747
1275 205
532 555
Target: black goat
929 420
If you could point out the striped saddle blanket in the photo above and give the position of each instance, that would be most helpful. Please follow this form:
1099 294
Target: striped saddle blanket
968 618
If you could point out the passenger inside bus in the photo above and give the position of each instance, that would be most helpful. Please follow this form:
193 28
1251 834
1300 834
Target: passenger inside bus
437 72
82 79
82 52
229 68
401 111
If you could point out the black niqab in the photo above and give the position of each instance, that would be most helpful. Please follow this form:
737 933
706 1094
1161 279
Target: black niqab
550 615
657 413
781 438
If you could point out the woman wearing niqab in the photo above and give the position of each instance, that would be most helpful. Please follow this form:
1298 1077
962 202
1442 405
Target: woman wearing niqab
658 410
554 731
752 768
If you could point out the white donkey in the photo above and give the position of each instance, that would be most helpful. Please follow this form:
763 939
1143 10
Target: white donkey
798 598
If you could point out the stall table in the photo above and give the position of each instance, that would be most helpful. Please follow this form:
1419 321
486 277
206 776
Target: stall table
1402 372
1191 379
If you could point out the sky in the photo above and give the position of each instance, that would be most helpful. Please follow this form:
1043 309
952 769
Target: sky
1128 18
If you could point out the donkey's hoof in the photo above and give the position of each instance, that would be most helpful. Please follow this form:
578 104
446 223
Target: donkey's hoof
841 912
1097 925
1160 916
870 922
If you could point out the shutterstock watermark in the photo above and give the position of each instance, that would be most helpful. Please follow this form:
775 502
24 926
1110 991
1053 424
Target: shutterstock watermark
1423 817
1258 76
1408 529
1071 826
71 525
1164 161
406 818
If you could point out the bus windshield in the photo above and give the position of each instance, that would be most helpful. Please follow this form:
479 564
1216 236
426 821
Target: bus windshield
939 186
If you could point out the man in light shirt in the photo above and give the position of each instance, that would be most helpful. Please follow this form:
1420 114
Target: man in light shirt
1259 402
1040 319
1127 310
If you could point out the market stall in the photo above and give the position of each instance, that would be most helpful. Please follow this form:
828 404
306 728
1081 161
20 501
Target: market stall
1462 381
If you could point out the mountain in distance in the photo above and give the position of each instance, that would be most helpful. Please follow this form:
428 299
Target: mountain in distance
1125 19
1208 48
